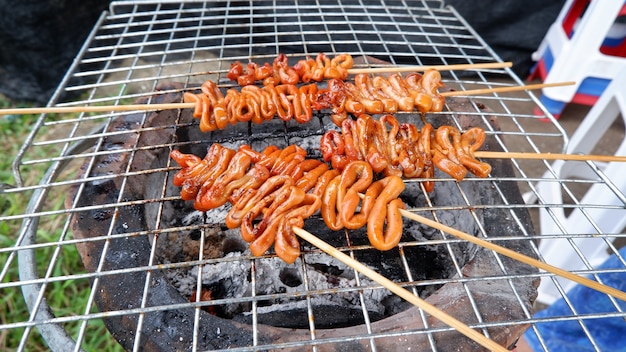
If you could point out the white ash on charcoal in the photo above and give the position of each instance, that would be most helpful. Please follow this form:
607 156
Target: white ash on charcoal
286 289
281 288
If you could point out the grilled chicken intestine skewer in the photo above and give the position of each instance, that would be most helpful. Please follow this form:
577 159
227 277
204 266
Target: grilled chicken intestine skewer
282 188
379 95
280 72
288 101
379 209
400 149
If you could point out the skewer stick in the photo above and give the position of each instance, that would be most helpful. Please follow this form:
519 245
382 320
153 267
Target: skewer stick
102 108
505 89
152 107
400 291
143 107
548 156
392 68
517 256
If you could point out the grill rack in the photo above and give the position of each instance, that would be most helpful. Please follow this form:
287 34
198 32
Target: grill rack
136 45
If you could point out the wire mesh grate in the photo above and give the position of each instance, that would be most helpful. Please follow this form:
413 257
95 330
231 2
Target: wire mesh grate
138 48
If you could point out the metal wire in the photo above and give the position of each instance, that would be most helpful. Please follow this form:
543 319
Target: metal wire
137 45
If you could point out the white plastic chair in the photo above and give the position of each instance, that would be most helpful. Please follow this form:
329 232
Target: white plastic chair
589 133
579 58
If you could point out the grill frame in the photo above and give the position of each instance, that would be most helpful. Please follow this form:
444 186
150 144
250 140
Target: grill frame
84 130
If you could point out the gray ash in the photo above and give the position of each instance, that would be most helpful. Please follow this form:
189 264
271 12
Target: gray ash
282 288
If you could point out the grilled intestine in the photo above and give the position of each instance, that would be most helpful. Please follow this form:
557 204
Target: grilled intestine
318 69
400 149
379 95
272 191
281 188
288 101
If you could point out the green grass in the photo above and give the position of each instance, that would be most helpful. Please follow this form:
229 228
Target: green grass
67 297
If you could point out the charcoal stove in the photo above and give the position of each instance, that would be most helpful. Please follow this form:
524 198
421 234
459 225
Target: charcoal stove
122 213
282 304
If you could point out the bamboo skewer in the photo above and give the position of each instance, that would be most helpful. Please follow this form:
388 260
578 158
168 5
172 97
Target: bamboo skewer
549 156
102 108
153 107
400 291
517 256
504 89
391 68
144 107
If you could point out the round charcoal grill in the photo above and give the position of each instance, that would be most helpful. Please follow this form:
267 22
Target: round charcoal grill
147 254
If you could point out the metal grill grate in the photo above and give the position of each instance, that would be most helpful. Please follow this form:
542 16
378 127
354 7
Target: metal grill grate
138 45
